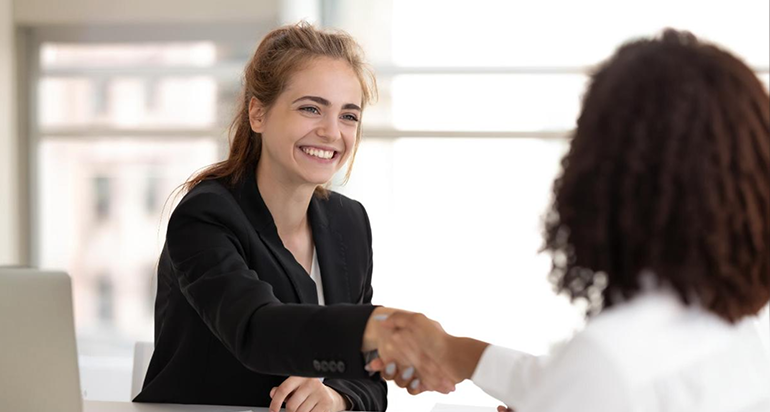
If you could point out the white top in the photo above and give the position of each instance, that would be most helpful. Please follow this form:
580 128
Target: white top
315 274
650 354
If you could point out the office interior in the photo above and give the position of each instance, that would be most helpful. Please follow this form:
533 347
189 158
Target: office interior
106 107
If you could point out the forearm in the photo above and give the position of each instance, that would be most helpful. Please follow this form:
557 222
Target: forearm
463 355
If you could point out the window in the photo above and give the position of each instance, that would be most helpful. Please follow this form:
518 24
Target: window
120 122
476 106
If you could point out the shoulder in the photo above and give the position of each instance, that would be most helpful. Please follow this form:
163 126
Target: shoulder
344 216
659 348
209 197
341 208
338 201
655 333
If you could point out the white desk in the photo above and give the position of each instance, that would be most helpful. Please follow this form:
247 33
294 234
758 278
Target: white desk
98 406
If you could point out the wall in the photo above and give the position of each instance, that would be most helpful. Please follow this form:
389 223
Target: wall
9 147
56 12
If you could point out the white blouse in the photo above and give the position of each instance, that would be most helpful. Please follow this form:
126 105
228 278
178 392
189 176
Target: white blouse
315 274
651 354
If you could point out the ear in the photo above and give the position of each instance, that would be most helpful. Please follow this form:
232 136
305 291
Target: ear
256 115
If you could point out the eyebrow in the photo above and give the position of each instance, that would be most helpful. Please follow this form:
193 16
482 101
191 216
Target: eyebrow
324 102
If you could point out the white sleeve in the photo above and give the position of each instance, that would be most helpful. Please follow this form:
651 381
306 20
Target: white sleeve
578 378
507 374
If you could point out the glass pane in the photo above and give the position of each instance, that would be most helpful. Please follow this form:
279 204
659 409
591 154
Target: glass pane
62 55
129 102
438 33
486 102
100 204
447 210
66 101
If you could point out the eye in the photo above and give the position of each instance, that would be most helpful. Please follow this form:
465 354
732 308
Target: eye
310 109
350 117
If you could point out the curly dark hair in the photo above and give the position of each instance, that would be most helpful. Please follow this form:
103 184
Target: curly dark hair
668 172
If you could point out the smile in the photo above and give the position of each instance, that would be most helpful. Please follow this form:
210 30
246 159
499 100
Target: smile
319 153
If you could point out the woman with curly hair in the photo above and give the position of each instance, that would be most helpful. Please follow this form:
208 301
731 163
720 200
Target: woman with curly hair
661 223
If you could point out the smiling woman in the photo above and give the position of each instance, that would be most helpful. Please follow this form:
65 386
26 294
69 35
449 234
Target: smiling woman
258 245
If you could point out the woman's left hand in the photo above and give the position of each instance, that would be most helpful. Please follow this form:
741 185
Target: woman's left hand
306 395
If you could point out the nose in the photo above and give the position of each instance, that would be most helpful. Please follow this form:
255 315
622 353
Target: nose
329 129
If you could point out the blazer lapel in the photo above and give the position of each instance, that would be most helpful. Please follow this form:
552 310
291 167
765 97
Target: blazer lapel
330 251
247 194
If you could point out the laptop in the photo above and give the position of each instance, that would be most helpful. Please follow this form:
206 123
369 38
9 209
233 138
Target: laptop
38 356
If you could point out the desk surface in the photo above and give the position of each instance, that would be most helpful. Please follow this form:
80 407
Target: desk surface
98 406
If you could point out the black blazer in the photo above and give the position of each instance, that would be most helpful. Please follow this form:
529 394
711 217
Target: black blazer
236 314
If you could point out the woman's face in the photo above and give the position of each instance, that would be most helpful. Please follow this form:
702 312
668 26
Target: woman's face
310 130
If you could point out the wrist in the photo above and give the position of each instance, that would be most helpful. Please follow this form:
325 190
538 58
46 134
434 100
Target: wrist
466 355
340 402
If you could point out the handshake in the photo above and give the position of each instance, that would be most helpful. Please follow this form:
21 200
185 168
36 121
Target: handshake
416 353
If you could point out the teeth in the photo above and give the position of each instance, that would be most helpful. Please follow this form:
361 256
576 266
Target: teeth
323 154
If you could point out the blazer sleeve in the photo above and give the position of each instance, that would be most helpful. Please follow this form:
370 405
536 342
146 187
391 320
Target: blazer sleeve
205 240
364 394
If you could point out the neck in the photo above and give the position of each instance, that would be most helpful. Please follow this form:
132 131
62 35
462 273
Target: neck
287 201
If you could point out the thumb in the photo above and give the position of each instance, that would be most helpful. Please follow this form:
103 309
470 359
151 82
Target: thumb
375 365
272 392
388 324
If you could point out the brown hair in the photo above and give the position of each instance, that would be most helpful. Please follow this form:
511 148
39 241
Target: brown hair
668 171
283 52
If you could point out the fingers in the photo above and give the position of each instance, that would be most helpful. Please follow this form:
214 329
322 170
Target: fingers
407 351
411 348
415 387
403 376
282 392
400 319
376 365
311 404
304 393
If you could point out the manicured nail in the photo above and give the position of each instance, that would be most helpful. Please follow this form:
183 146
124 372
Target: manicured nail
415 384
380 317
408 373
390 369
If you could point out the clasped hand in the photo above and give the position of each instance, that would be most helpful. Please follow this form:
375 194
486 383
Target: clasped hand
414 351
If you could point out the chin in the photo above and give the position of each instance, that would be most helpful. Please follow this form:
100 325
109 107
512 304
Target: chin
318 180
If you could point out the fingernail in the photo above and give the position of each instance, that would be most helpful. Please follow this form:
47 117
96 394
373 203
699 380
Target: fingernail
368 368
408 373
415 384
380 317
390 369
